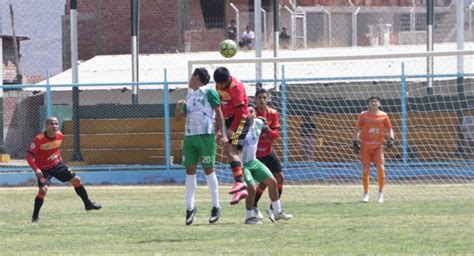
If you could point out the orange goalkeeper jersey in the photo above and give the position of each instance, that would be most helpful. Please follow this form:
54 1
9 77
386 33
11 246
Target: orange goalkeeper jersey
372 128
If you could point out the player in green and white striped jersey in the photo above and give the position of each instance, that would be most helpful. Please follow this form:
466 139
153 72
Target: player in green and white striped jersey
201 106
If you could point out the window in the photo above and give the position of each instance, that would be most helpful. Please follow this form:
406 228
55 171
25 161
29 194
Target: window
213 12
420 22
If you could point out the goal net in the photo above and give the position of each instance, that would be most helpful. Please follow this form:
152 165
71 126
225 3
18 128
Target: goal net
319 99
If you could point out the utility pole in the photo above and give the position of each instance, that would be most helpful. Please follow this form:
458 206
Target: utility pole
76 125
258 38
429 45
135 50
276 39
4 157
460 67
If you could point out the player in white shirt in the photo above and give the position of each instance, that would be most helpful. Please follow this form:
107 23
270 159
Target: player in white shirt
199 146
255 171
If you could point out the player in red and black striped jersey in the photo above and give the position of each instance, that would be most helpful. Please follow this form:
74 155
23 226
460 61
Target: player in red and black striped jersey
44 157
265 152
234 105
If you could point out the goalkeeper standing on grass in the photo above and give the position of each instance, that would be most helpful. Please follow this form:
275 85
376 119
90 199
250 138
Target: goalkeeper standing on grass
199 139
44 157
371 127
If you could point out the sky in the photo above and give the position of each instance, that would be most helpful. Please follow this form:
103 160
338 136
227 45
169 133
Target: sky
40 20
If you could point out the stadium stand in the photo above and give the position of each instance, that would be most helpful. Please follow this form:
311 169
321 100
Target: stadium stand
124 141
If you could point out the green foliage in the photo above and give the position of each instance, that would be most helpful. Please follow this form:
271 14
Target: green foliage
328 220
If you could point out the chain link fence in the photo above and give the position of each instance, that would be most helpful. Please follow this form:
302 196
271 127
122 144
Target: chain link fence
359 23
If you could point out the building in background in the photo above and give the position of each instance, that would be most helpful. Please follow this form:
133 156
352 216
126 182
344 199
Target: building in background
104 27
164 26
11 59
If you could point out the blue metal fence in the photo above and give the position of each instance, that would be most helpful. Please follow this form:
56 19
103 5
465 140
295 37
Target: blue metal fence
14 175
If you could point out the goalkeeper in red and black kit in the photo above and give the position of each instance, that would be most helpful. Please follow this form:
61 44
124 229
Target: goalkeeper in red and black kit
234 105
44 158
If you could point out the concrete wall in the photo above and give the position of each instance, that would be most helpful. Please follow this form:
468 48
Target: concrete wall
8 61
21 115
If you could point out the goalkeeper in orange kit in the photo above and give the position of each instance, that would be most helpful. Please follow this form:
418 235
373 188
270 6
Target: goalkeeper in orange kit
368 142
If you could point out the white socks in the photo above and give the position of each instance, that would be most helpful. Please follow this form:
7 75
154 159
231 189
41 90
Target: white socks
250 213
191 185
276 206
190 191
213 188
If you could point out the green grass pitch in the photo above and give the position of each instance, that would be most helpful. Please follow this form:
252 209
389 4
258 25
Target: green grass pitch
149 220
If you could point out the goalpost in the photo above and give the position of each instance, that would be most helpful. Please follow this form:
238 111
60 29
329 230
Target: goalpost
330 91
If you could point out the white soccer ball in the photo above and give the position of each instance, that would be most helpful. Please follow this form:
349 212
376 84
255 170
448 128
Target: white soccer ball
228 48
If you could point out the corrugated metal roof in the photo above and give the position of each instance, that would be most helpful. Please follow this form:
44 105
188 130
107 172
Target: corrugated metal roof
113 69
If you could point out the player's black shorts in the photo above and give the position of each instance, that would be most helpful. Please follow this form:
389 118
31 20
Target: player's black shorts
61 172
272 162
242 129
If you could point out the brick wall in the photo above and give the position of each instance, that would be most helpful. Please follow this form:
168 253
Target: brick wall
9 105
104 27
204 40
87 39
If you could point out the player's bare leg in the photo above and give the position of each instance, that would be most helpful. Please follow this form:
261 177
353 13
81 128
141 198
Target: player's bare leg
275 212
261 187
250 213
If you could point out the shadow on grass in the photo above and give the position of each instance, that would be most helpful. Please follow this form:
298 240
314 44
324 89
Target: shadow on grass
167 241
347 203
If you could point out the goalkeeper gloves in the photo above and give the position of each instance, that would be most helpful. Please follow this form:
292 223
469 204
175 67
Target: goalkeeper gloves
391 143
265 129
356 146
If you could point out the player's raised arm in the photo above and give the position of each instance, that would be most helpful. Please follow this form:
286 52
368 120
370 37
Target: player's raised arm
180 109
240 109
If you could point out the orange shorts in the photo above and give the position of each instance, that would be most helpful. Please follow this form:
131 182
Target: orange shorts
374 155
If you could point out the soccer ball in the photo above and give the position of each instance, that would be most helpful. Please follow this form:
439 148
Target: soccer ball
228 48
